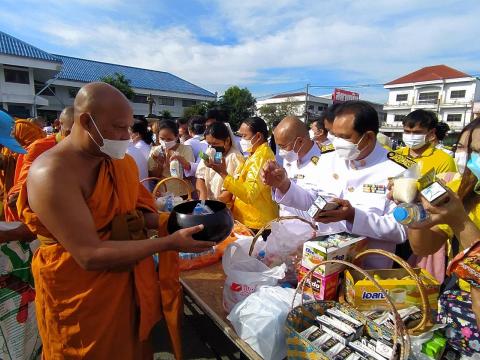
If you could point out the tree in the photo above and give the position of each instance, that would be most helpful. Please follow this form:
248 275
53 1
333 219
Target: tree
239 103
165 114
199 109
272 113
120 82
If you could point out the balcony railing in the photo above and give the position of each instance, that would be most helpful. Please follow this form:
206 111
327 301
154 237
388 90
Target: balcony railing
430 102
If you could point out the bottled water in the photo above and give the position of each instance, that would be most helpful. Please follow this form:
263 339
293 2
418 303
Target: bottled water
410 214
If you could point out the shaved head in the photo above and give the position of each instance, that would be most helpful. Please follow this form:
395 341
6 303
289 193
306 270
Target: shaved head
66 120
292 134
100 112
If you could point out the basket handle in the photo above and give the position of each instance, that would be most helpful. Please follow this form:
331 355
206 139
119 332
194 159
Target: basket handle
164 181
149 178
268 226
400 334
246 228
421 287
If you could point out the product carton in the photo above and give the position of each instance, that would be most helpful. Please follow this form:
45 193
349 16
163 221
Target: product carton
341 246
403 290
323 287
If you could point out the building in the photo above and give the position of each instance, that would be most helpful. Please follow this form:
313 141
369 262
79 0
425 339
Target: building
450 93
295 103
33 81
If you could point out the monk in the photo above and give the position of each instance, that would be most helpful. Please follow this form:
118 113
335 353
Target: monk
25 132
24 161
98 295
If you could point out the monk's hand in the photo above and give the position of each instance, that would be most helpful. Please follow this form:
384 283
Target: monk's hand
183 241
12 200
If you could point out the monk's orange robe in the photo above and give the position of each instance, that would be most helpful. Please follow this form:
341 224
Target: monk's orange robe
26 133
24 162
103 314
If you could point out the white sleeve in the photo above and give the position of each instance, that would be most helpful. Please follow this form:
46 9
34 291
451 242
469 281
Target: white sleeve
295 197
375 226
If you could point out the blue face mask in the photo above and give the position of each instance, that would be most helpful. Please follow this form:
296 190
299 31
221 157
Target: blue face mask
474 164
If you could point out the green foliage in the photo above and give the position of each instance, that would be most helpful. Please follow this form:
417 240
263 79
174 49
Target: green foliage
275 113
199 109
239 103
120 82
165 114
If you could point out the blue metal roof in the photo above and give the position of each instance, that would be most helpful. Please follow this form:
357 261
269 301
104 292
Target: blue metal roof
12 46
75 69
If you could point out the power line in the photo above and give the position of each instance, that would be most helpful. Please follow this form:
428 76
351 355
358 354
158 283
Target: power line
279 93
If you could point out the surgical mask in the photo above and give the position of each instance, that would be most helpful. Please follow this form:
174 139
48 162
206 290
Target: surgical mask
474 164
116 149
461 160
168 144
289 156
311 134
246 145
414 141
345 149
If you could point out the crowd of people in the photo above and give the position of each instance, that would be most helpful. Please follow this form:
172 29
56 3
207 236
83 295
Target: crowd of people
79 194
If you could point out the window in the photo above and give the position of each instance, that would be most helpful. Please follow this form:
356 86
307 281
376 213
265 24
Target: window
20 111
428 98
321 107
16 76
188 103
167 101
454 117
457 94
50 91
402 97
72 92
140 99
398 117
311 107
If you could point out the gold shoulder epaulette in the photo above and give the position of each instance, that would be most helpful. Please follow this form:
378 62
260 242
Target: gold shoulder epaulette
402 160
327 148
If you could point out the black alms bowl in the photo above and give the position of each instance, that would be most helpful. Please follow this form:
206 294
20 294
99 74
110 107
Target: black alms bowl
217 226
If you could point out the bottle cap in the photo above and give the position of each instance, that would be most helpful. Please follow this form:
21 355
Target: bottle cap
400 214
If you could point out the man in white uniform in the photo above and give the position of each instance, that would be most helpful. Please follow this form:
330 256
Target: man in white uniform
355 176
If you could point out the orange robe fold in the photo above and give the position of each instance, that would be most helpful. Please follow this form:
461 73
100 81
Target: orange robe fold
102 314
24 162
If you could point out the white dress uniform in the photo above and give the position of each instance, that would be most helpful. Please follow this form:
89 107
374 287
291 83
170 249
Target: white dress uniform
301 172
364 184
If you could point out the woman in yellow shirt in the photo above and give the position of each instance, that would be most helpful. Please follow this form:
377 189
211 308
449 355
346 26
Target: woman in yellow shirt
459 217
253 205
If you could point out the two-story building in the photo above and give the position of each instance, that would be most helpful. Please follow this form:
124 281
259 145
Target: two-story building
34 82
448 92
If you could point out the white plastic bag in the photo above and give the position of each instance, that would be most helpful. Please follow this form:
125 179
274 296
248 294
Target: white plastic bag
245 274
285 245
260 320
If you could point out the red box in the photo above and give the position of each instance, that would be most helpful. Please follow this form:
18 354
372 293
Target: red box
324 287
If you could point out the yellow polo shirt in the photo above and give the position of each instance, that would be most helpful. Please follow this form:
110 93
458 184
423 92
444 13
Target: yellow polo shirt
432 158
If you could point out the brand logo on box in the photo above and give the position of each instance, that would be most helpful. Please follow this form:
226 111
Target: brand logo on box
372 296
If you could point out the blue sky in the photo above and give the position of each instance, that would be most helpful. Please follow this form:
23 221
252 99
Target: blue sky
268 46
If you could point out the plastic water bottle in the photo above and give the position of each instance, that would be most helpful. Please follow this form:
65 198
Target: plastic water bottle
409 214
176 169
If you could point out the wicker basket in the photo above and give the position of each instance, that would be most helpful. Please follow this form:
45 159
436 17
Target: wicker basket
157 191
303 316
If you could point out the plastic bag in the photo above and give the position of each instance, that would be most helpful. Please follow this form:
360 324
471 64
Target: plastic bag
260 320
285 245
245 274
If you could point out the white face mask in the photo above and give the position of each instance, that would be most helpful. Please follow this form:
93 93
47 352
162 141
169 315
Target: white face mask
345 149
116 149
461 160
414 141
330 137
311 134
246 145
289 156
168 144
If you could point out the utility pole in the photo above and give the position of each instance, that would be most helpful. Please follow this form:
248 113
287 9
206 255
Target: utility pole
306 105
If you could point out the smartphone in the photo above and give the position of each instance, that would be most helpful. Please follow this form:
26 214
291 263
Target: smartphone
435 193
321 204
217 158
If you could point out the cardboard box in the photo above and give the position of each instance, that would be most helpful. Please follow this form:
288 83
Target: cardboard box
324 287
341 246
364 296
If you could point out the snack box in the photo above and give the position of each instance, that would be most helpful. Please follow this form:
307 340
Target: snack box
403 290
342 246
324 287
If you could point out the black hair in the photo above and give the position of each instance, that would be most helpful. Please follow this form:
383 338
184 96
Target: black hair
217 114
196 124
218 130
329 113
441 130
425 118
257 125
366 117
168 124
141 127
320 122
272 142
469 180
182 121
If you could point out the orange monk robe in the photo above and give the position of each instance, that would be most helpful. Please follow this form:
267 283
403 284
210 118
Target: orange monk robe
92 314
26 133
24 162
